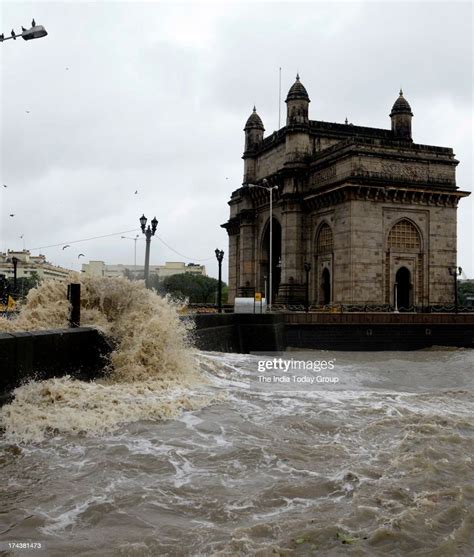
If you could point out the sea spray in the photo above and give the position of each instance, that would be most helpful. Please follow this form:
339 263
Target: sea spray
151 372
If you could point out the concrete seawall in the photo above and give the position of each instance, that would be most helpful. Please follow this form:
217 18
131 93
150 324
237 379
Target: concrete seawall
239 332
358 331
81 352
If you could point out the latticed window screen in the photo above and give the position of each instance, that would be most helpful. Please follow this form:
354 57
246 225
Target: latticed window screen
324 243
404 235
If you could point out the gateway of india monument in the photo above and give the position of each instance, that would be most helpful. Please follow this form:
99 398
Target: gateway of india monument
368 212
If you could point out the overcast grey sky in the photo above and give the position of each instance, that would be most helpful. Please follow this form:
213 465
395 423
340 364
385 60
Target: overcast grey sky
153 96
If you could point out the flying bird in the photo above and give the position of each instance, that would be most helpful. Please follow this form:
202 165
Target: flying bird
27 111
226 178
136 191
33 23
12 214
4 185
80 255
67 69
66 246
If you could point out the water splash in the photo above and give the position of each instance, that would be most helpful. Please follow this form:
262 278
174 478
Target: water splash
151 372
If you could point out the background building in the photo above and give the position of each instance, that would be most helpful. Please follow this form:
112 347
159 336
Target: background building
100 269
28 264
373 212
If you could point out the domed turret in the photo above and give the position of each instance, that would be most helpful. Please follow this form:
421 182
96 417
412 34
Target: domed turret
253 130
297 102
401 116
297 91
254 122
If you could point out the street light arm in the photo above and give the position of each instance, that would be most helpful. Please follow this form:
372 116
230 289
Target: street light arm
266 188
35 32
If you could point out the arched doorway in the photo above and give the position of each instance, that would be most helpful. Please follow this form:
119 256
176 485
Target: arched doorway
325 293
276 258
403 286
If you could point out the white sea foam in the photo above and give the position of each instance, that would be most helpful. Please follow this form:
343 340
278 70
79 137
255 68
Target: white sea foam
151 375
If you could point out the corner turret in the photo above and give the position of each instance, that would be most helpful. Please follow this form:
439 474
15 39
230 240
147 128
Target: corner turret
401 116
253 137
297 104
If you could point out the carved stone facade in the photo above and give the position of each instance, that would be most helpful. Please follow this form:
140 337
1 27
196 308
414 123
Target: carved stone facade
372 212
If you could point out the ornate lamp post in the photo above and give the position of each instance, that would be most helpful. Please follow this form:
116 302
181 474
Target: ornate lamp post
307 268
269 189
219 257
455 272
35 32
149 232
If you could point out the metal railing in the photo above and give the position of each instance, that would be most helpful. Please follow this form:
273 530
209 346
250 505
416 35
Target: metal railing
370 308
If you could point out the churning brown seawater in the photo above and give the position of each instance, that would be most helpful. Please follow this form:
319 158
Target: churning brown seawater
189 456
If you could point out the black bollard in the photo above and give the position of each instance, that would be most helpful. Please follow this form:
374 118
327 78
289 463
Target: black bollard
74 297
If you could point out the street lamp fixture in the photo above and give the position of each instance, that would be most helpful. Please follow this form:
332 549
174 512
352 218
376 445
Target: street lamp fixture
35 32
307 268
455 272
149 232
219 256
269 189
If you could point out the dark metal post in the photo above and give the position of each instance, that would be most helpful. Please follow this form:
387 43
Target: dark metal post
149 232
74 297
147 257
455 272
307 268
15 263
220 257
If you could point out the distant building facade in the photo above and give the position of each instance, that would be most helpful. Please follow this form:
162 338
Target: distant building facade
28 264
372 212
100 269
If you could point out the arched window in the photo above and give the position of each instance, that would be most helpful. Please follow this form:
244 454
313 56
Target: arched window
404 235
324 242
404 266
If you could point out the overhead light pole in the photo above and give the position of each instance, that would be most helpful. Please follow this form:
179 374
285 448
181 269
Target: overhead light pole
135 250
269 189
455 272
149 232
35 32
219 257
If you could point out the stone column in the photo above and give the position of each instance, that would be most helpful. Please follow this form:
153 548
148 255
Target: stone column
233 262
247 254
292 285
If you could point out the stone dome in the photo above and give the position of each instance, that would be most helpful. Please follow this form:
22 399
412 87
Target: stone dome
297 91
401 106
254 121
